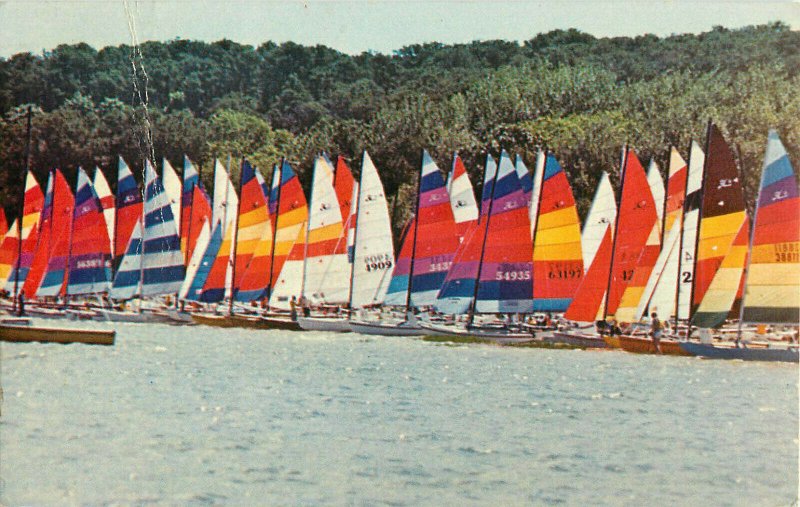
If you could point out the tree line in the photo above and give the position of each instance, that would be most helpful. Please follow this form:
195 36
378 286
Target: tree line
579 96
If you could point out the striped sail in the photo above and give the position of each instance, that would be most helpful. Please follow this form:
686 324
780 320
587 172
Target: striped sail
8 252
193 282
557 256
45 232
107 203
196 208
218 284
661 292
505 281
33 202
525 179
90 251
205 253
536 191
722 213
253 221
458 291
635 223
772 293
597 239
326 274
635 290
129 208
49 279
429 246
602 214
173 188
254 281
723 289
290 233
689 229
156 265
462 198
373 248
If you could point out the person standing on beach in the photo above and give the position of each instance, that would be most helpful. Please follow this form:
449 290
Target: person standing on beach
656 329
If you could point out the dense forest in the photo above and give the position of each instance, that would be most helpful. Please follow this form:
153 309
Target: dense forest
580 96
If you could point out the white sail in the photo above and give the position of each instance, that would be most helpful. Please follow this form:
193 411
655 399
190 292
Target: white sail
197 258
374 249
462 196
174 188
602 214
224 210
691 217
107 202
659 293
656 183
536 192
326 278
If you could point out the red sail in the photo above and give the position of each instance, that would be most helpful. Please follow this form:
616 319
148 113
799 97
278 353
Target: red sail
588 299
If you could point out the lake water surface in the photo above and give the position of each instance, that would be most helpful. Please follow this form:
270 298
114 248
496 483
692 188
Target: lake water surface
195 415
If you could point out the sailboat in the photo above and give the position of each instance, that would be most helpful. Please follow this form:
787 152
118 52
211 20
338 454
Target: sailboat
153 263
462 198
772 277
33 203
129 210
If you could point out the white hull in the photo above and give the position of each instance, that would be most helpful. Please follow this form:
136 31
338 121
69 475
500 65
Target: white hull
334 324
377 328
132 317
497 335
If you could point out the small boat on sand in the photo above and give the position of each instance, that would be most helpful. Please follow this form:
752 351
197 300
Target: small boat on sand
13 332
403 328
497 334
334 324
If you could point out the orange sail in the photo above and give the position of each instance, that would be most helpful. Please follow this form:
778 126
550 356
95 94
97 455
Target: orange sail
31 211
253 221
557 256
722 213
587 304
637 214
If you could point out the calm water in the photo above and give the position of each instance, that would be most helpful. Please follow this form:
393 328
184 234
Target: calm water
195 415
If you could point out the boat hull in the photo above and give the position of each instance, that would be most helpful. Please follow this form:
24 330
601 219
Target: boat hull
132 317
376 328
708 351
581 340
641 345
17 333
247 322
478 334
337 325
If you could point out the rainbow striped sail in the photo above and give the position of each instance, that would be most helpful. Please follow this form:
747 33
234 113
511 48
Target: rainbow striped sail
50 276
634 228
129 208
31 211
253 221
722 214
373 257
289 246
153 263
421 269
195 210
557 256
648 257
8 252
89 269
505 280
44 231
199 269
255 280
772 293
107 203
458 290
326 274
218 284
462 198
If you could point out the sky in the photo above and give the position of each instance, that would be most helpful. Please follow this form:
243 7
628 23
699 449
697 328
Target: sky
355 26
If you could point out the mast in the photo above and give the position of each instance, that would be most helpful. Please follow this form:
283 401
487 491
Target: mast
355 234
236 241
616 227
680 242
471 316
749 258
141 247
69 252
416 228
22 214
279 169
699 222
